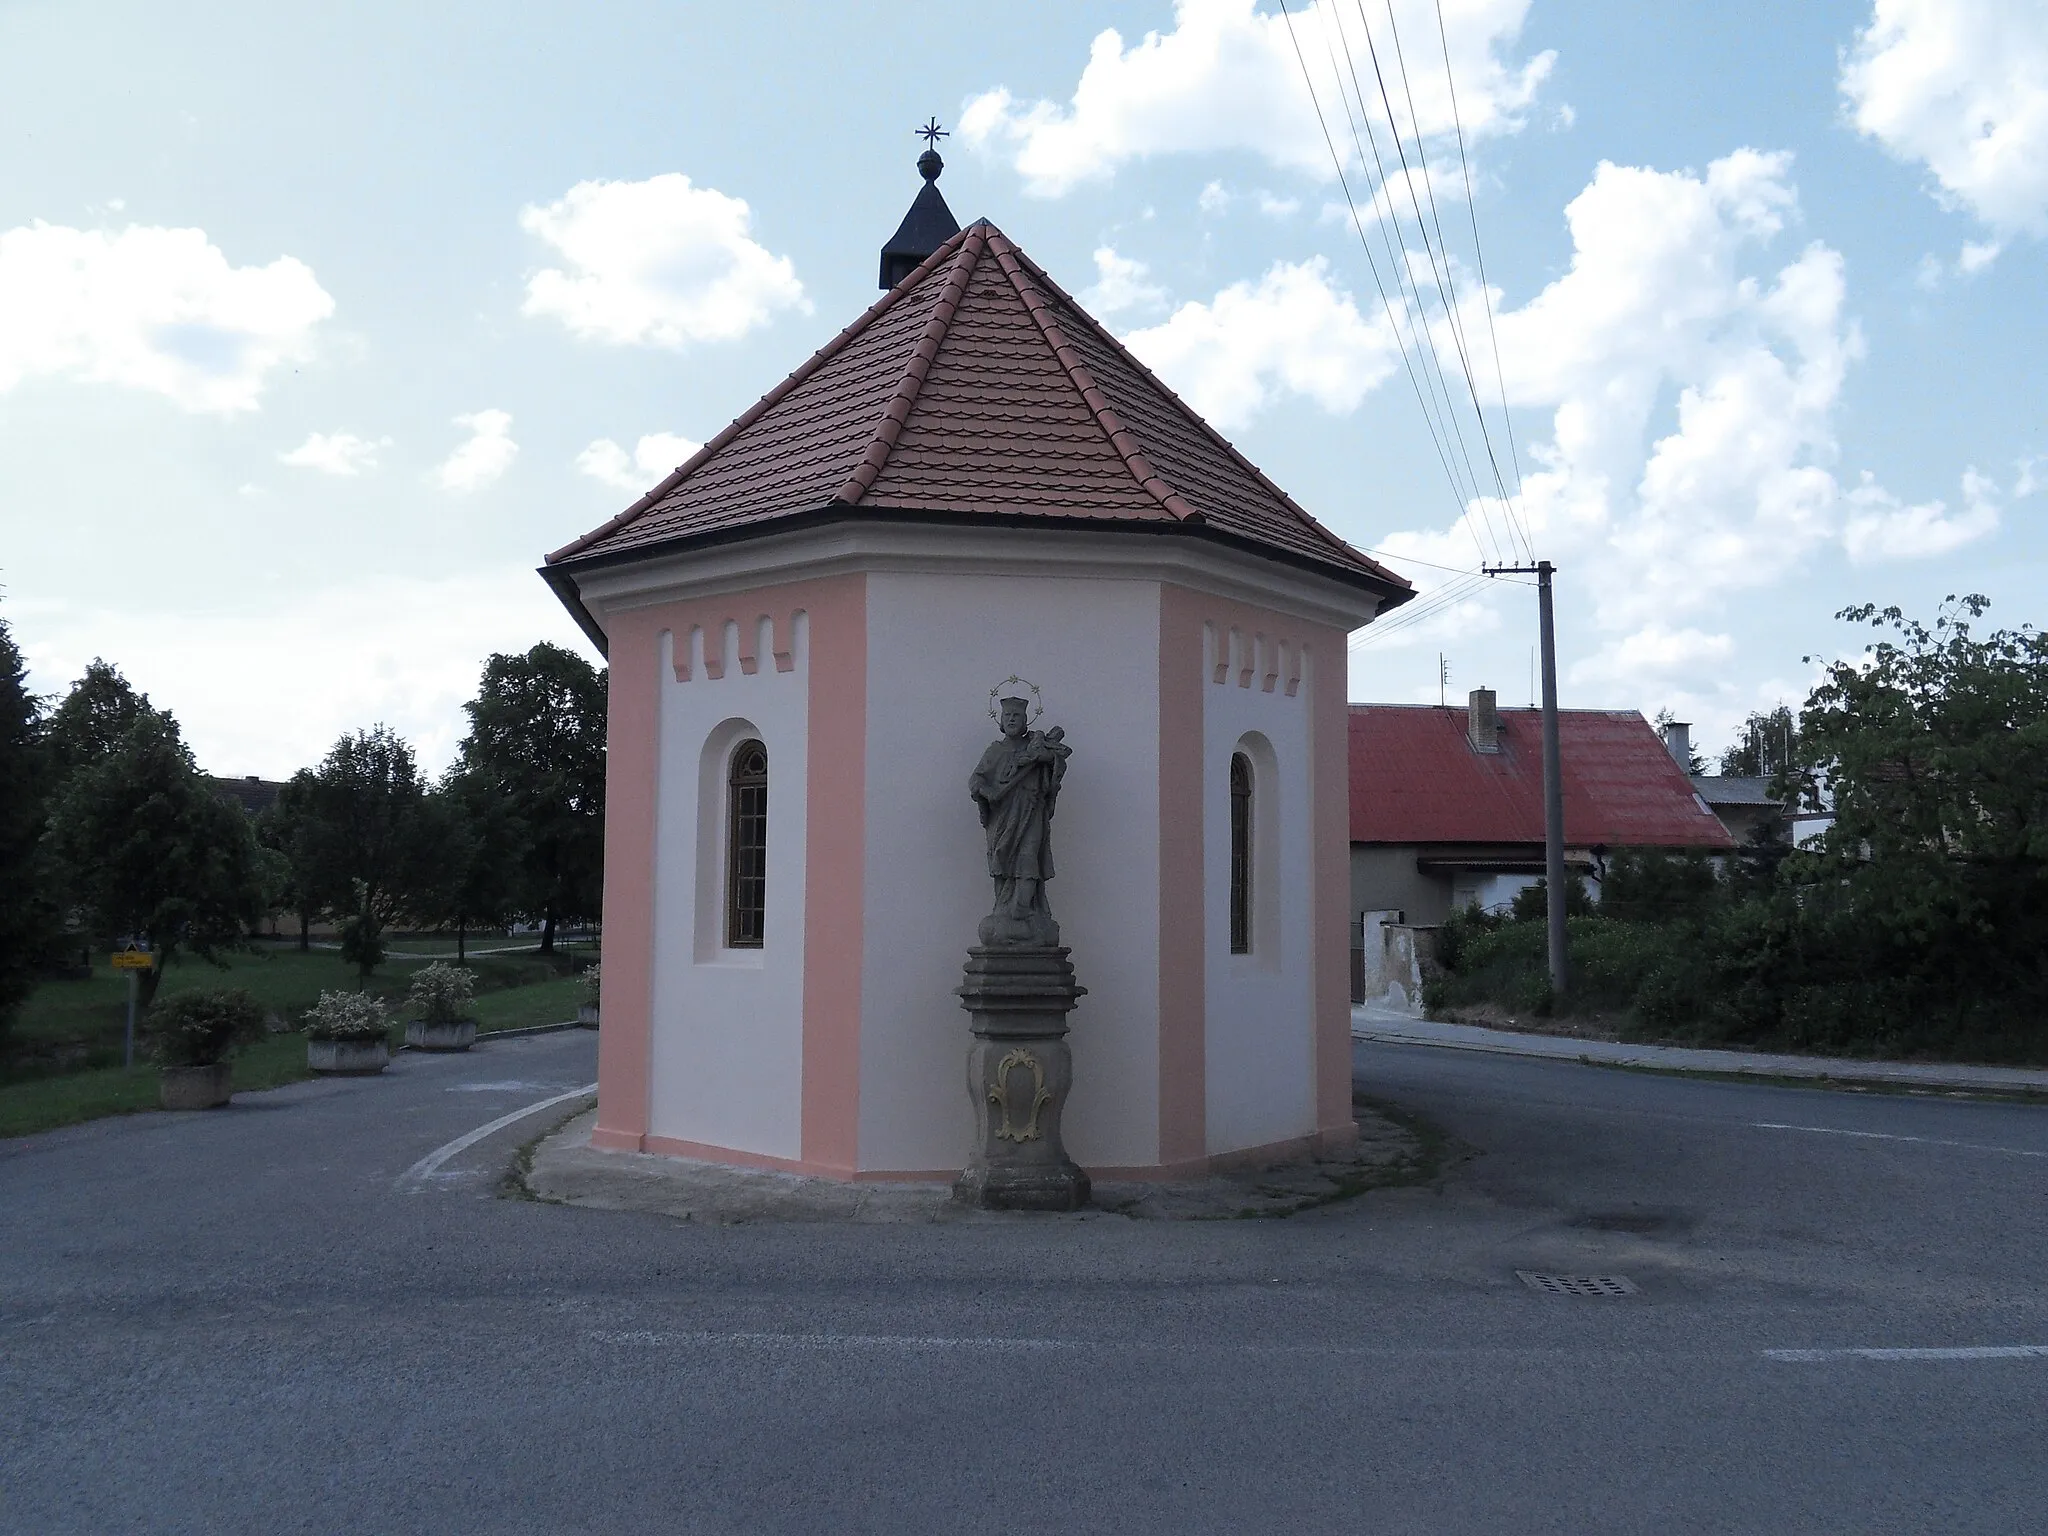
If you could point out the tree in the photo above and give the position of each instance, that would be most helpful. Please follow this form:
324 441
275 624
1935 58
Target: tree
148 850
281 829
27 914
94 720
479 877
536 740
1765 746
365 845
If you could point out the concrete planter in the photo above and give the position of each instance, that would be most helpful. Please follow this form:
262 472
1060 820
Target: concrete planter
459 1036
206 1087
586 1015
347 1058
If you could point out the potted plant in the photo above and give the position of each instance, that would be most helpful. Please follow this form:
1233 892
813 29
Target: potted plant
586 1011
192 1035
347 1035
441 993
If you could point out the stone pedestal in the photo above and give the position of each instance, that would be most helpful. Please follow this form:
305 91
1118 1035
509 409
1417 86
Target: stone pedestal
1018 1073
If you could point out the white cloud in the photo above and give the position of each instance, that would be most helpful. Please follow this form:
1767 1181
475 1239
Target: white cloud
658 262
1120 283
1227 77
487 455
1881 527
1293 331
335 453
1278 207
652 457
152 309
1655 654
1692 383
413 667
1961 87
1214 198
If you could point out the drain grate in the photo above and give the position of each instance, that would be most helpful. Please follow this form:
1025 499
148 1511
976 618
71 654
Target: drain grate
1576 1285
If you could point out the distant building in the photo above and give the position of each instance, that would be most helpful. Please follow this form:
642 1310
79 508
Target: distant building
254 795
1743 803
1447 803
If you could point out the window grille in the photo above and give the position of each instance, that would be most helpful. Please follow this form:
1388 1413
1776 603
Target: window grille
1240 854
746 847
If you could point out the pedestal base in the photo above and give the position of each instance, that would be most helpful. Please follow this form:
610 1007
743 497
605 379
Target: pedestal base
1018 1072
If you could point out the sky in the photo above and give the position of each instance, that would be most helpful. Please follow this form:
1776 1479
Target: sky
321 324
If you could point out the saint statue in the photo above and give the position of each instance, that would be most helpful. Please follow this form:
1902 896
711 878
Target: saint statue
1015 786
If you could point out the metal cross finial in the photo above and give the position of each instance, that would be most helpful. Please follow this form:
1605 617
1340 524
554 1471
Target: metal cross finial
932 133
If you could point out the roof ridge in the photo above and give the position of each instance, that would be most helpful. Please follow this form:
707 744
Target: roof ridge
1120 436
761 407
864 474
1109 337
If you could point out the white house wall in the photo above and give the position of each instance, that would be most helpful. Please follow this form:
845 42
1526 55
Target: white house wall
726 1045
937 642
1259 1024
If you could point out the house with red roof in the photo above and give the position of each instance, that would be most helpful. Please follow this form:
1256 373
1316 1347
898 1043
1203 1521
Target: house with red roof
972 492
1447 803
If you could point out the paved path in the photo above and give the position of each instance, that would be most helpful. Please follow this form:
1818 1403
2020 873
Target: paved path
1389 1028
255 1321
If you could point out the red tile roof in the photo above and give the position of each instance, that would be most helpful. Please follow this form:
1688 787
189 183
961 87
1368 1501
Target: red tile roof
977 387
1415 778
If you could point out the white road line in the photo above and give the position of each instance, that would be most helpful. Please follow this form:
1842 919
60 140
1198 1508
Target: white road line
834 1341
414 1179
1926 1141
1959 1352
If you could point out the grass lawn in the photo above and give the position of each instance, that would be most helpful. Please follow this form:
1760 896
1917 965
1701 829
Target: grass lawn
43 1103
542 1002
63 1058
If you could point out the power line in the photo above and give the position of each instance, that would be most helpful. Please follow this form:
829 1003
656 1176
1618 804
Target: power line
1358 224
1392 217
1438 259
1449 277
1485 290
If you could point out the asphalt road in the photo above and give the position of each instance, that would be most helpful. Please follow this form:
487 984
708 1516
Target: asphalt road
254 1321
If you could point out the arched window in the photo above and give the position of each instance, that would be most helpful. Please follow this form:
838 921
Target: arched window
1240 854
746 847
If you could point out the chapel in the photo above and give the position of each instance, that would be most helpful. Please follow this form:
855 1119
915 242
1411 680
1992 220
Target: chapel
972 493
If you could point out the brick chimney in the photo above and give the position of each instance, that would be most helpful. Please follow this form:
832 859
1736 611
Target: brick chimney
1678 742
1482 724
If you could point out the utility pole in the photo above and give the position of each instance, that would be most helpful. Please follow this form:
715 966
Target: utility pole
1553 771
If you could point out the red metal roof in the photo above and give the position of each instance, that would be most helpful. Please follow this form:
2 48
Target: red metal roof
976 386
1416 778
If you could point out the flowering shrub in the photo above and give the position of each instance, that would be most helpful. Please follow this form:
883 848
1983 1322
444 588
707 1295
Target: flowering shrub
590 982
201 1029
442 992
347 1016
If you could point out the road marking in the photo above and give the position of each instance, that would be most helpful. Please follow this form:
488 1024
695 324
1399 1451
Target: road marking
1926 1141
1958 1352
834 1341
414 1179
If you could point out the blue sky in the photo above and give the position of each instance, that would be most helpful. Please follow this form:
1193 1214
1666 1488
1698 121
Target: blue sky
320 324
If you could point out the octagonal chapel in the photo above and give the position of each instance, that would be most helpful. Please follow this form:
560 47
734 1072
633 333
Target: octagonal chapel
972 492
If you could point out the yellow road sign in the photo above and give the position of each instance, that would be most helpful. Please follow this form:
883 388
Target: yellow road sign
133 960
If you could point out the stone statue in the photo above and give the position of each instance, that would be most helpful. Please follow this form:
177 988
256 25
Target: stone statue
1015 786
1019 983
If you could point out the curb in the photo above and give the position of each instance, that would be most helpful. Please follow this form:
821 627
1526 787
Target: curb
1818 1070
511 1034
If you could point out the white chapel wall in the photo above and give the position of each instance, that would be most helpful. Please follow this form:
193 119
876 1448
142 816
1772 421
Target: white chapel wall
727 1036
936 645
1259 1031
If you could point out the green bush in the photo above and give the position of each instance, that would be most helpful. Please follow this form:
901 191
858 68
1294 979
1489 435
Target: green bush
442 993
199 1029
347 1016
